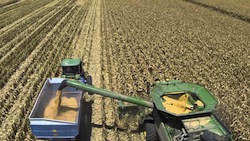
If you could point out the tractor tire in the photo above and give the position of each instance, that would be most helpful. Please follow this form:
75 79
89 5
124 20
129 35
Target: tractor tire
151 133
89 82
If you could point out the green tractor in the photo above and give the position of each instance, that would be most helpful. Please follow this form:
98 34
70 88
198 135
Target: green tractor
73 69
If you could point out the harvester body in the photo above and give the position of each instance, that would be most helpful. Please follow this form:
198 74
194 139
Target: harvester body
191 117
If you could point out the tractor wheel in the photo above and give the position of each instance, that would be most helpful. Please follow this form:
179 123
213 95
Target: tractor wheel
89 82
151 133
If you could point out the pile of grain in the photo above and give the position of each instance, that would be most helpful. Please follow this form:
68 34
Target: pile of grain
67 111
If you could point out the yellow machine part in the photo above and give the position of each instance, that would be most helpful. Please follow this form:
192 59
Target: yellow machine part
199 103
58 99
178 106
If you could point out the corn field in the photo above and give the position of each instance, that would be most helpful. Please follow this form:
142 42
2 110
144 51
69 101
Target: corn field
124 44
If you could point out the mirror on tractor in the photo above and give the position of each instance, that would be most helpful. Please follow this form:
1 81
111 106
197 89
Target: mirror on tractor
72 68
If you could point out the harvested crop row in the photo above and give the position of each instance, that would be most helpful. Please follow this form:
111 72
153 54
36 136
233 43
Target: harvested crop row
12 7
24 70
28 24
70 28
124 50
117 127
42 57
234 8
109 105
88 29
109 72
24 18
24 84
11 97
77 44
23 49
92 58
8 99
7 2
8 18
176 39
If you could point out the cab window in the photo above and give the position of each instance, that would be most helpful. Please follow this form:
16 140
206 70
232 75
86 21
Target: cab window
70 70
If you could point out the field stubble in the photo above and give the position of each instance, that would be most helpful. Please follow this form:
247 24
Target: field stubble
235 8
124 45
176 39
54 46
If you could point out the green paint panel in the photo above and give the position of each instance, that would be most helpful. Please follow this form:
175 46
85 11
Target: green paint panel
106 93
174 87
207 123
70 62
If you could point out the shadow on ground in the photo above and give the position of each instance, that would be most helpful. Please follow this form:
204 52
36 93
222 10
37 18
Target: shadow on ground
85 121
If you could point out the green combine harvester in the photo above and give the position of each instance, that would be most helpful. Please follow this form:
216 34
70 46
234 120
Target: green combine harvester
181 111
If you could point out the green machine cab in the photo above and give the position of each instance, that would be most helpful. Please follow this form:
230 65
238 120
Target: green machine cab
72 68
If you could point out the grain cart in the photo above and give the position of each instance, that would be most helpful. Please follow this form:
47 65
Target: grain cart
181 111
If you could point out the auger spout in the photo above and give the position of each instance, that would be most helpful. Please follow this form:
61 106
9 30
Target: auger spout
103 92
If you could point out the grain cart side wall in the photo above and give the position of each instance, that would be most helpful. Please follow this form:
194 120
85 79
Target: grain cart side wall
49 128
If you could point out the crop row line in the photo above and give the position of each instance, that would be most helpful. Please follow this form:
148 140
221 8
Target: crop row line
8 18
109 73
111 77
55 58
64 44
12 7
22 50
78 49
88 32
7 97
17 32
23 19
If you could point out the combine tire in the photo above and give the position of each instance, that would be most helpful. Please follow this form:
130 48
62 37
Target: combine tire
151 133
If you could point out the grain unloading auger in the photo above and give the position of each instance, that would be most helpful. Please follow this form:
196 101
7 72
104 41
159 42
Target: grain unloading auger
181 111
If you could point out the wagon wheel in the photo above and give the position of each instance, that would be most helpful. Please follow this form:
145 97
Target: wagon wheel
89 82
149 126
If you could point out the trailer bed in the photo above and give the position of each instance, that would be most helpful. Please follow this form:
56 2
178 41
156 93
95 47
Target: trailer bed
45 124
